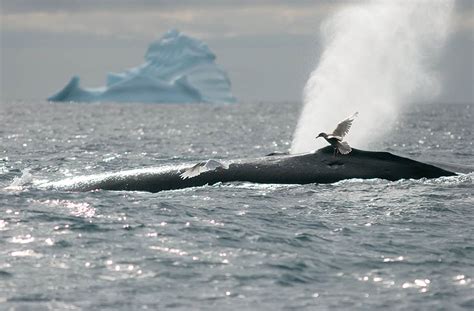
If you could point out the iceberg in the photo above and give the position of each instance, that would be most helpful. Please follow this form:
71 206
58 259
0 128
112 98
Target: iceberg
177 69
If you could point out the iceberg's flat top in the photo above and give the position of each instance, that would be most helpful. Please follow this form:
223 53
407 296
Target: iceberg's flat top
177 69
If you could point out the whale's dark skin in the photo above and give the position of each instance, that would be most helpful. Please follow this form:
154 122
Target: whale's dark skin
318 167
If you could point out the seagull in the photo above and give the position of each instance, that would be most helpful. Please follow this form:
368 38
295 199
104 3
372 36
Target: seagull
335 138
201 167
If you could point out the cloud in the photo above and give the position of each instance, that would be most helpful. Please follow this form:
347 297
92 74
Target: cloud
18 6
206 20
464 21
145 19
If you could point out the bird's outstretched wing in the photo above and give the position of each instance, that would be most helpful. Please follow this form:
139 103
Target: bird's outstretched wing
202 167
343 128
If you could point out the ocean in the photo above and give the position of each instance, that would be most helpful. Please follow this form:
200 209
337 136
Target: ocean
351 245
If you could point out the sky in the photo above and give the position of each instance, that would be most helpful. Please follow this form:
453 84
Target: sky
268 47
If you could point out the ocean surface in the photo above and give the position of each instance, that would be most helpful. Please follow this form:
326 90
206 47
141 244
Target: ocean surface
352 245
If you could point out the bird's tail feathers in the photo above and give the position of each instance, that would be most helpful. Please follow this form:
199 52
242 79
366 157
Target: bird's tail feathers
343 147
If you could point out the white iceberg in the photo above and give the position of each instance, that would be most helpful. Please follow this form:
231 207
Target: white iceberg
177 69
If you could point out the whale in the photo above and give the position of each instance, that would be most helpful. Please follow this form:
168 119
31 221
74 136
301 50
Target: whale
320 166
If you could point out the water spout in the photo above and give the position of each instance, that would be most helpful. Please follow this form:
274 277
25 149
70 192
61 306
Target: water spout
378 57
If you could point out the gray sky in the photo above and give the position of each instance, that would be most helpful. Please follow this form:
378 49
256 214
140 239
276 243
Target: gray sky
268 47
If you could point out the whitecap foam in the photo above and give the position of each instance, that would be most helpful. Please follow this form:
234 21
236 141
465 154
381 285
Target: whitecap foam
21 182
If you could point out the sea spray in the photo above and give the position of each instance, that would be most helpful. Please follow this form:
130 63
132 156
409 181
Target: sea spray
379 56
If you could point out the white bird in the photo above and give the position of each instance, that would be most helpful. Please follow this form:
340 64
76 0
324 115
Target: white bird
202 167
335 138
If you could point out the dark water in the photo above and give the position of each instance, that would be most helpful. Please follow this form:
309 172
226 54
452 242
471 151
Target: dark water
354 245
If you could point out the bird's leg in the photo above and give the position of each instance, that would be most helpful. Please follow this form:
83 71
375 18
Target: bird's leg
334 155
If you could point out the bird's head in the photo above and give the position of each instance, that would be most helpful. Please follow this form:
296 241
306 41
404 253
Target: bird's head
321 135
